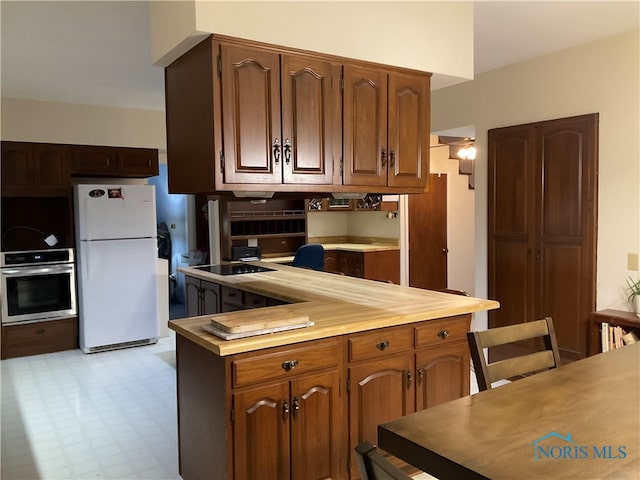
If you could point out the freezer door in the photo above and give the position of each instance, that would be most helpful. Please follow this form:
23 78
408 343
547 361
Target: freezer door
117 289
115 211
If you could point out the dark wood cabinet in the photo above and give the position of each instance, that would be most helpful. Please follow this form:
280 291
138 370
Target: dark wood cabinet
382 265
542 226
278 116
247 116
386 127
202 297
38 338
103 161
35 169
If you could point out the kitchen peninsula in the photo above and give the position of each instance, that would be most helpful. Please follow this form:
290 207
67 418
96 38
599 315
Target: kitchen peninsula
294 404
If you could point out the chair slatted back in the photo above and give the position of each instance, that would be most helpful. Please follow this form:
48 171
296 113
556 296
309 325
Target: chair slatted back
374 466
487 374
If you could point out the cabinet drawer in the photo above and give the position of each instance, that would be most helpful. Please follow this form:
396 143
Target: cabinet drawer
232 295
253 300
41 337
285 363
380 342
447 330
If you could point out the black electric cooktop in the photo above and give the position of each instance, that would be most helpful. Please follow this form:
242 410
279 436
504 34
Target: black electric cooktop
233 268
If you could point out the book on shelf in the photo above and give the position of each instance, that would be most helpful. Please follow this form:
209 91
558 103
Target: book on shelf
614 336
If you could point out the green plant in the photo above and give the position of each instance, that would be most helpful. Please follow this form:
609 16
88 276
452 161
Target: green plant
634 288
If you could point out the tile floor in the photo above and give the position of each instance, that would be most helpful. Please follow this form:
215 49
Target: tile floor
109 415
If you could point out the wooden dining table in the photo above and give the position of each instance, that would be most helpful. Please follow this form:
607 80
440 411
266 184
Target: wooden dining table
578 421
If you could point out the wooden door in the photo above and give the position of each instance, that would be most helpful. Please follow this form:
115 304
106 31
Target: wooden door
192 294
252 141
210 298
442 374
428 236
311 128
17 168
511 224
566 225
317 426
261 436
542 225
365 126
93 160
137 162
409 130
379 391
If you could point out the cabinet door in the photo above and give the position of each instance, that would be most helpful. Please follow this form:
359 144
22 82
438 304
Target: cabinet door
310 125
210 298
192 287
137 162
409 130
383 266
365 126
261 438
250 82
17 167
379 391
317 427
93 161
331 261
52 169
442 374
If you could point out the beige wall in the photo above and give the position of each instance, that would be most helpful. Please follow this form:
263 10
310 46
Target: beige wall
602 76
408 34
36 121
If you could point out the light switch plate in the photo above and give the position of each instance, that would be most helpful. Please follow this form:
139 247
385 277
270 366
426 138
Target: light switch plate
632 261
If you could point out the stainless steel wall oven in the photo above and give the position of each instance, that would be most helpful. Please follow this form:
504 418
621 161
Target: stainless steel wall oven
38 285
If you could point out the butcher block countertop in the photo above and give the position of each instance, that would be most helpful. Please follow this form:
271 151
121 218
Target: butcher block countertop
336 304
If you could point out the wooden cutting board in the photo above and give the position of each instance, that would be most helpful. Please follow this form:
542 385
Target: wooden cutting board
272 318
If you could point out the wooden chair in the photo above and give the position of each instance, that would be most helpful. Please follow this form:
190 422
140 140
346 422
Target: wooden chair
373 466
486 373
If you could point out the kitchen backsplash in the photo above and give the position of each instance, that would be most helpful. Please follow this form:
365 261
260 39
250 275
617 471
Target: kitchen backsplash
352 224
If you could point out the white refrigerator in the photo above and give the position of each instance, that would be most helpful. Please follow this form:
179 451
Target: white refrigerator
117 266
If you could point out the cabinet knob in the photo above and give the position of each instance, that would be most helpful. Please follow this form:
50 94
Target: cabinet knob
296 405
383 156
382 346
409 379
443 334
420 376
285 410
392 157
289 365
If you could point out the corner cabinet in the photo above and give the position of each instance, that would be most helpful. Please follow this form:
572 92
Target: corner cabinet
247 116
386 127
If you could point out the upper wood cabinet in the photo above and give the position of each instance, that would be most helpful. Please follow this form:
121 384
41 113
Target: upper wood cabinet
278 116
386 127
246 116
99 161
35 169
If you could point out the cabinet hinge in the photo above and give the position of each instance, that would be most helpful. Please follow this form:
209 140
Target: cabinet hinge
219 61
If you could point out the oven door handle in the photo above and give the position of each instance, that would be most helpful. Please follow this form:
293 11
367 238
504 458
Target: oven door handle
21 272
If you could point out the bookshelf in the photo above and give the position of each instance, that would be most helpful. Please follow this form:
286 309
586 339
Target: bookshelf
626 320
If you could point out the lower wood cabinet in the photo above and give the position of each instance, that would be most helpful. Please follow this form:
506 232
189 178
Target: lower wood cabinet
298 411
381 265
40 337
202 297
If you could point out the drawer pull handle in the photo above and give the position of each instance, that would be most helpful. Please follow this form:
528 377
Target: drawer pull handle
443 334
289 365
382 346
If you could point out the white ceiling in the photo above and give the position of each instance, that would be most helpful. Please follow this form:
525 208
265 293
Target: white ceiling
98 53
